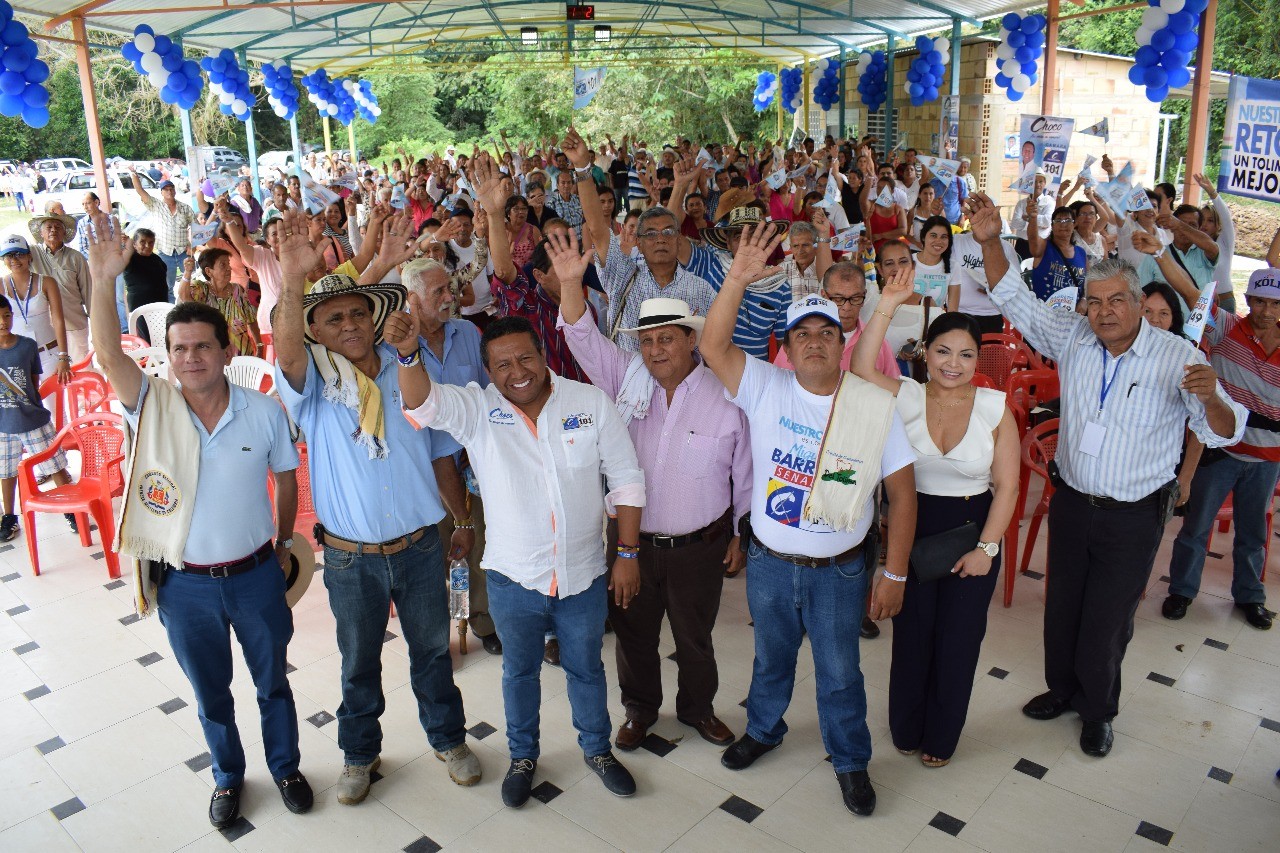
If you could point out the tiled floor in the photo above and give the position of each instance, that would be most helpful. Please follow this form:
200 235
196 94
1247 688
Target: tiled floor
100 748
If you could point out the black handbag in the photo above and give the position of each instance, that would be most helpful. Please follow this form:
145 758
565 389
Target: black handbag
933 557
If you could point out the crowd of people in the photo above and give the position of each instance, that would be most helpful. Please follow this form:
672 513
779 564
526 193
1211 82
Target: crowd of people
610 377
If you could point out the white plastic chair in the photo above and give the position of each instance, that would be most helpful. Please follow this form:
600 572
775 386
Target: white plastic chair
249 371
154 361
155 313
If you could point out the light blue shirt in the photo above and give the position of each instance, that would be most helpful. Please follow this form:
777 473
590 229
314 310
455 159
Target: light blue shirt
232 515
461 366
358 498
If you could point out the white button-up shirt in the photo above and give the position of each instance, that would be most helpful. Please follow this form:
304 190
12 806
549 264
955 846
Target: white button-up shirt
543 506
1145 406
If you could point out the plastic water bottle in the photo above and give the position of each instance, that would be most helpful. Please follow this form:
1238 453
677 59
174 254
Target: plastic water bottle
459 589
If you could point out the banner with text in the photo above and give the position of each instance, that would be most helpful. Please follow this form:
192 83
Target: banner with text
586 82
1251 146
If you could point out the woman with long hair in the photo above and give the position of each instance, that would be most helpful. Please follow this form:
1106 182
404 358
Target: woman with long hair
933 261
966 473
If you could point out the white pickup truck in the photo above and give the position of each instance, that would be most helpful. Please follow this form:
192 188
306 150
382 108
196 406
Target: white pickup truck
125 201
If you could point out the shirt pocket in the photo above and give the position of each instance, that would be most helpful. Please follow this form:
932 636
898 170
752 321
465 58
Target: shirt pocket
698 454
580 447
1142 406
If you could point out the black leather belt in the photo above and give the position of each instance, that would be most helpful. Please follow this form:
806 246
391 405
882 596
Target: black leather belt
229 570
1101 502
706 534
391 546
813 562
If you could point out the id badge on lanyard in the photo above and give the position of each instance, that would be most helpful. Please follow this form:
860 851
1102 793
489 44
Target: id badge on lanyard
1094 432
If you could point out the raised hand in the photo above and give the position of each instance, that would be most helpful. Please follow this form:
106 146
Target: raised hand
109 248
450 230
1107 165
398 245
352 205
569 264
488 185
820 221
684 169
984 218
756 245
897 287
1146 243
401 327
576 149
297 255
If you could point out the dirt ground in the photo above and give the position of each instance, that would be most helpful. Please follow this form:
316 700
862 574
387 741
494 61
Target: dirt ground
1255 226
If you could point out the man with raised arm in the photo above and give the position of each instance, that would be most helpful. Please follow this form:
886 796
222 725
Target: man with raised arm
821 441
378 486
539 445
197 519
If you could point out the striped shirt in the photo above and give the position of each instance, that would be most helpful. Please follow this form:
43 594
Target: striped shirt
1144 410
635 186
804 282
764 304
569 209
624 273
1251 377
171 228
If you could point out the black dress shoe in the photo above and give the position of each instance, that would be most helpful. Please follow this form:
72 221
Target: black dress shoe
71 521
224 807
492 644
1175 606
745 751
616 778
1257 615
870 630
296 793
519 782
1046 706
855 788
1096 738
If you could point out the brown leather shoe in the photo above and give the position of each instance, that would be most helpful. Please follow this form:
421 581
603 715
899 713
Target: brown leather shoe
712 730
631 735
551 652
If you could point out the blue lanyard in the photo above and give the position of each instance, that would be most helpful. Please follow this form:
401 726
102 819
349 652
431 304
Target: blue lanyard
1106 386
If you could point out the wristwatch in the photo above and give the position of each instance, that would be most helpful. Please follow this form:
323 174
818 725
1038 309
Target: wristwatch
287 543
989 548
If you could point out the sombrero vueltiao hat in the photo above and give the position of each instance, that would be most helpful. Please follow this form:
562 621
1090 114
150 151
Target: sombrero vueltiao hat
298 569
665 312
739 218
383 299
34 223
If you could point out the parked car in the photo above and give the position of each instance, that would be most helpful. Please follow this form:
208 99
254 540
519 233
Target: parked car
217 157
282 160
70 190
52 167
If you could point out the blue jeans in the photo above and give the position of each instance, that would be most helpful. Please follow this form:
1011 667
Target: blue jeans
361 590
523 617
1251 485
173 268
828 603
198 614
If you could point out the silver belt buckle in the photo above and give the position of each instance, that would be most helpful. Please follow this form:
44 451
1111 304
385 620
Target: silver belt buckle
661 540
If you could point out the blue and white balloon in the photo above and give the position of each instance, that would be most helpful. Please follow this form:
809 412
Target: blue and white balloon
161 61
1166 41
366 101
22 76
792 81
872 83
826 91
230 83
766 88
929 69
1018 55
282 94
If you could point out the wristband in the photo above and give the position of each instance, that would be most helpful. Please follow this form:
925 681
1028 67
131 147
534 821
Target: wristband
585 170
891 576
409 360
467 526
882 314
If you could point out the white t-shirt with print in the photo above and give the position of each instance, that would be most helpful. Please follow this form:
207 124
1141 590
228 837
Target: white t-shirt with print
787 423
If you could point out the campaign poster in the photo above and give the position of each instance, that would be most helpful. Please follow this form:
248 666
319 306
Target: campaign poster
1044 140
949 127
1251 140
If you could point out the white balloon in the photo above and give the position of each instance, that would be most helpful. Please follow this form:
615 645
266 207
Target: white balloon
1020 83
1011 68
906 87
821 65
1003 51
152 62
280 110
332 109
1155 19
1173 7
238 106
227 98
1143 35
377 111
144 42
941 44
1004 34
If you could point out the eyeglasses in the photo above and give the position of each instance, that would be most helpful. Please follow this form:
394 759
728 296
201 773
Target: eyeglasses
841 301
653 235
1064 222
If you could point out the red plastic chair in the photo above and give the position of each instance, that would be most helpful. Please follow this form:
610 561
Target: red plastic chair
1027 389
980 381
86 393
1025 358
268 348
100 439
306 519
1039 446
996 362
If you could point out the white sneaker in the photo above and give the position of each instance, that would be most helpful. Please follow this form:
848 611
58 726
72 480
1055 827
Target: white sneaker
464 767
353 784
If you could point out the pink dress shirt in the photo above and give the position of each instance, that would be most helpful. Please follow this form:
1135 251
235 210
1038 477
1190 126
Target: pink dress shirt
695 453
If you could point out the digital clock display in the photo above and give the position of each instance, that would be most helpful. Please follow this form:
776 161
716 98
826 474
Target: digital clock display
579 12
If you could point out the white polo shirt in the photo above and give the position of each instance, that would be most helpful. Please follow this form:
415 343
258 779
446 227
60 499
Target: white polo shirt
543 506
232 515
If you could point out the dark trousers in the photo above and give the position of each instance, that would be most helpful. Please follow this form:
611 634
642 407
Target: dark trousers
684 584
1099 563
937 637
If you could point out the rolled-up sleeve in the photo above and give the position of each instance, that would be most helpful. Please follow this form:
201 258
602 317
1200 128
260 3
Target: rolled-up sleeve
1198 421
618 462
1045 329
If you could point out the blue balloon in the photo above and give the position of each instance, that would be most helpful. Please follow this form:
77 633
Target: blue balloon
1146 56
6 13
129 52
1195 7
15 59
1011 21
137 66
35 116
206 63
1041 21
1173 59
168 95
225 109
177 81
1155 77
163 45
1182 22
1156 94
915 90
35 96
217 64
227 55
13 33
1187 43
933 57
924 43
1016 39
1029 68
1029 24
1023 54
1035 39
1178 77
931 93
1003 81
12 83
878 56
913 76
191 68
1014 95
215 78
172 62
143 28
11 105
1163 39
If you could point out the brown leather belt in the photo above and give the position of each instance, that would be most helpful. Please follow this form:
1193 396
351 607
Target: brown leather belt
813 562
706 534
391 546
228 570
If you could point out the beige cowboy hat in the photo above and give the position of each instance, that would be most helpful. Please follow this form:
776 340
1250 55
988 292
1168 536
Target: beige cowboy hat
739 218
665 312
383 299
34 223
298 569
